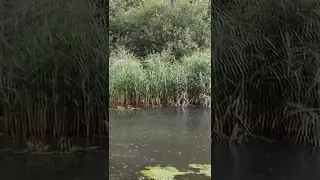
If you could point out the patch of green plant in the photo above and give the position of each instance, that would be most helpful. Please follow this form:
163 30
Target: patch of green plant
169 173
53 67
152 26
266 59
204 169
161 173
156 80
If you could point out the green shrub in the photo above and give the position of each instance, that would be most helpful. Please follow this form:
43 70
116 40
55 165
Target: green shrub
152 26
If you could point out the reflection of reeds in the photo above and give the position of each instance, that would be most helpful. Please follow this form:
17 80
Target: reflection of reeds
62 146
156 81
37 146
53 69
266 65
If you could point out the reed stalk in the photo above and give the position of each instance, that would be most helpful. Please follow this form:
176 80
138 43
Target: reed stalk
157 81
53 69
266 69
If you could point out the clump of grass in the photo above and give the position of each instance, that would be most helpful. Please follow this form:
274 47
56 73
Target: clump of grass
53 62
159 80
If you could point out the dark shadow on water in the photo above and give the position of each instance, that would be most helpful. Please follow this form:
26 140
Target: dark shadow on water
86 166
264 161
18 162
159 136
191 176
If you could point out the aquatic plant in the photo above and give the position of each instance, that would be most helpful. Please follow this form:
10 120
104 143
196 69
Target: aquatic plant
161 173
53 69
125 109
169 173
157 81
204 169
266 70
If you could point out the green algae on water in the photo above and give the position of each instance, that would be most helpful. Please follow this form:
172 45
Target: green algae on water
205 169
169 173
161 173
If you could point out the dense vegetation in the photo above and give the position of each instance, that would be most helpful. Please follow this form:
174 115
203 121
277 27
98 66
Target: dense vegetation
160 53
53 68
266 69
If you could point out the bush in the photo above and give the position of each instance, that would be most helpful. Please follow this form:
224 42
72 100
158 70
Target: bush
152 26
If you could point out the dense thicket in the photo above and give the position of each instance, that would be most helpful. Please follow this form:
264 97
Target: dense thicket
266 69
152 26
160 53
53 68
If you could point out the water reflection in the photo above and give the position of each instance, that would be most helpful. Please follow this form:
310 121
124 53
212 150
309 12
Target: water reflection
264 161
160 136
86 166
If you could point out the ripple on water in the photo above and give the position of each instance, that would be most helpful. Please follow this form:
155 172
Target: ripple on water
163 138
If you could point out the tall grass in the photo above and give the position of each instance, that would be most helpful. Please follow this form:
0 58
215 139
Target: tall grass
53 69
159 80
266 68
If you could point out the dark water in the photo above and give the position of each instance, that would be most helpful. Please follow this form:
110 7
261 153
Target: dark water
264 161
163 136
88 166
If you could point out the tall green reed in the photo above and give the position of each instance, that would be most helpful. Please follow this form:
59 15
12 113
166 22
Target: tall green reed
266 61
53 69
159 79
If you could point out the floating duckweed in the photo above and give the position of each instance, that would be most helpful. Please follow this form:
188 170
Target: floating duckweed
161 173
169 173
204 169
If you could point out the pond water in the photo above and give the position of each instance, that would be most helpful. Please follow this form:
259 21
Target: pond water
86 166
264 161
158 136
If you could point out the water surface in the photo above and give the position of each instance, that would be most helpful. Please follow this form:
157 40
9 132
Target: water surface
264 161
86 166
159 136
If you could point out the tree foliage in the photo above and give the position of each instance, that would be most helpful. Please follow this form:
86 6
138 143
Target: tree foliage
153 26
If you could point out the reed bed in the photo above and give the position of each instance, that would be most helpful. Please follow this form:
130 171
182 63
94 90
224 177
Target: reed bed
159 80
266 70
53 69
